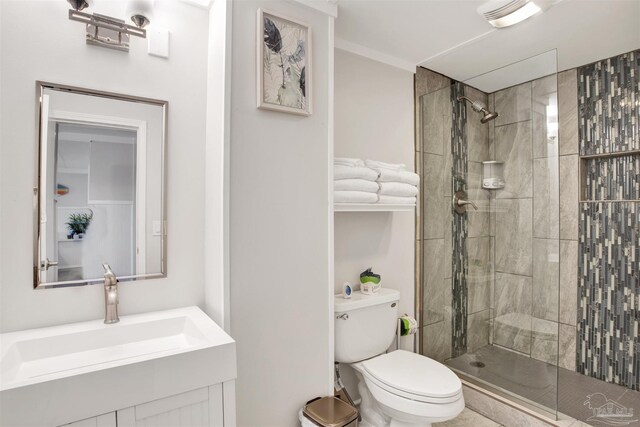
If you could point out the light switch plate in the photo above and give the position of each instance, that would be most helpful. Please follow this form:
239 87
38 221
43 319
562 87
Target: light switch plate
158 42
157 228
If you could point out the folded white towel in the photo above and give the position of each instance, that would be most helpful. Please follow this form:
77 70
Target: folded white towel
356 185
394 200
354 197
348 161
406 177
399 189
350 172
373 164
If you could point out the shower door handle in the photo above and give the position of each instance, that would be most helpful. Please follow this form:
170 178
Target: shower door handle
460 202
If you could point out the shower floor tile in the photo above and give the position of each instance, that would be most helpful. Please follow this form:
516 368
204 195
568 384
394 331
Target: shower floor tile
544 385
577 392
531 379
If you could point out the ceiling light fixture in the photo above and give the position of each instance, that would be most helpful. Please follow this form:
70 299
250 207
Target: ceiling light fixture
505 13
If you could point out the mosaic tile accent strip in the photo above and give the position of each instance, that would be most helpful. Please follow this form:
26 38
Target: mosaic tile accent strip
459 224
613 178
609 105
608 290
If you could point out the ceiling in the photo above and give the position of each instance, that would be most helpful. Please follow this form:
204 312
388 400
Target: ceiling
448 36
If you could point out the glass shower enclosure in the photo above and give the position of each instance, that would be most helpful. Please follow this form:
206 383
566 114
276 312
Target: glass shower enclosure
490 230
528 230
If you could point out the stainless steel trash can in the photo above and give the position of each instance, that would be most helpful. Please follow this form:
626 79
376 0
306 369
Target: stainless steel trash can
330 412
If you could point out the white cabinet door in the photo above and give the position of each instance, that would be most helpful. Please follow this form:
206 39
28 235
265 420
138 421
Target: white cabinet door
106 420
196 408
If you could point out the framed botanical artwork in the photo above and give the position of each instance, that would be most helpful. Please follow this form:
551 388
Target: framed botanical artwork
284 64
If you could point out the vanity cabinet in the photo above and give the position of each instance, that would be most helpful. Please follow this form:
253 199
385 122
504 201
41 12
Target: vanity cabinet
197 408
203 407
105 420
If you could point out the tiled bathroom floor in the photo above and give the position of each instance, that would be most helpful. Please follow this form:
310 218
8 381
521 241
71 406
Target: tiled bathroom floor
468 418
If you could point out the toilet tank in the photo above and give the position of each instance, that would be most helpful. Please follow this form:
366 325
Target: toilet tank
364 325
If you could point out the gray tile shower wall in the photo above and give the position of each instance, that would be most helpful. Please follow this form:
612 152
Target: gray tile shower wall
609 285
479 253
568 221
607 345
525 219
497 288
460 226
433 245
607 105
612 178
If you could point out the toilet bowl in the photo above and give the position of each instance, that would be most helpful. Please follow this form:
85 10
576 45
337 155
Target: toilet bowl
399 388
406 389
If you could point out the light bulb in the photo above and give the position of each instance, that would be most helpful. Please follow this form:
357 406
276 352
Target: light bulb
140 12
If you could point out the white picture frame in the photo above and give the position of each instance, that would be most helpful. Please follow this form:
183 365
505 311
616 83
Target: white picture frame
284 66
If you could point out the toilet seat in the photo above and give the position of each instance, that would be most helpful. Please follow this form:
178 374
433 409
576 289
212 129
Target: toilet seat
413 411
412 376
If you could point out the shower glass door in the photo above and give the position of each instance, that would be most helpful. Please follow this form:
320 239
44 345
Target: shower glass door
489 235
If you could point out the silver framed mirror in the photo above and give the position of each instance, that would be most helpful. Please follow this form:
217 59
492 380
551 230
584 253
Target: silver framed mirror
100 186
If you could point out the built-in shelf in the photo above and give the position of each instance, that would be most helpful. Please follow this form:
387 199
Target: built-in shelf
602 157
609 201
613 154
371 207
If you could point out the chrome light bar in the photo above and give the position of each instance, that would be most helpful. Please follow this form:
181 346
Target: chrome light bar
107 31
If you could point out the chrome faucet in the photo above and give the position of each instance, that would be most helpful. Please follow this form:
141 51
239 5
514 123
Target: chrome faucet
110 295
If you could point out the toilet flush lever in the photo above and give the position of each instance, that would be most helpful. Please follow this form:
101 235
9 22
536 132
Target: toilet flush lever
343 316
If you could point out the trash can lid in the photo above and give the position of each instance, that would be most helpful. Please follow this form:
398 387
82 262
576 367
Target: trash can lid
330 411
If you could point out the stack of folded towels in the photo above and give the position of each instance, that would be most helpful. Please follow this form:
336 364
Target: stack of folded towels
354 182
398 185
358 181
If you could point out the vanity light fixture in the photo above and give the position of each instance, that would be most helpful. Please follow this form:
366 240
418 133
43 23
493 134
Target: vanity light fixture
107 31
505 13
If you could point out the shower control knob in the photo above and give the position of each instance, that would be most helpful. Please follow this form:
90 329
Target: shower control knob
460 202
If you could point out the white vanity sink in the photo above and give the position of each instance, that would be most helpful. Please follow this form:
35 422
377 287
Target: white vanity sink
143 357
50 353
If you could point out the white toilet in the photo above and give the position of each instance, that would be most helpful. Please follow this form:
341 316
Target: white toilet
400 388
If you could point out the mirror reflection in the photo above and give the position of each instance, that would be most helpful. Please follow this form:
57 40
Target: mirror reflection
101 187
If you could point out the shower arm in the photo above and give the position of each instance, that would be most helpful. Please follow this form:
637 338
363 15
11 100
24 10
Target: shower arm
475 105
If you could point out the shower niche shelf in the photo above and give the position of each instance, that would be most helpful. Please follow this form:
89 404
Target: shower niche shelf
371 207
609 172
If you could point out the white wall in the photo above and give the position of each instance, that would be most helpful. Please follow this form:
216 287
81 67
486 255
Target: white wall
2 150
279 229
374 120
216 246
57 52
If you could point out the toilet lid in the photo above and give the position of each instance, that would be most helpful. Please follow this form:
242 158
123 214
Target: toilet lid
413 373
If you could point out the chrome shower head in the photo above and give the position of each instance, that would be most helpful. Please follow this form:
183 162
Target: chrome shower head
488 116
478 107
